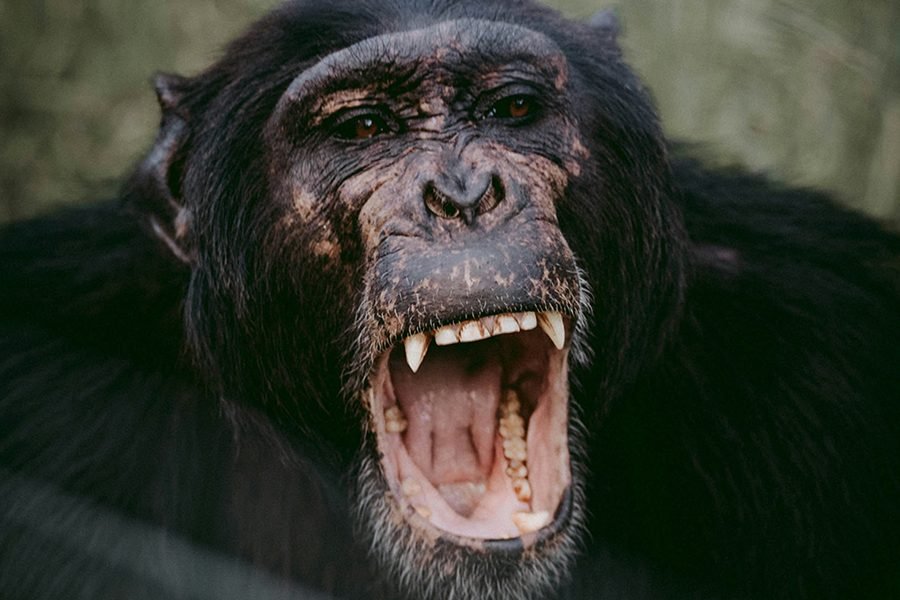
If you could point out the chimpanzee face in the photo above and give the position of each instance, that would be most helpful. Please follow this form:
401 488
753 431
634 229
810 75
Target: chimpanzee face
445 151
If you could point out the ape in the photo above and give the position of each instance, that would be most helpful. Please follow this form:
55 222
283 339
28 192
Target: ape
413 299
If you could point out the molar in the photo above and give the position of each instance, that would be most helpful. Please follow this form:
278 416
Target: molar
394 420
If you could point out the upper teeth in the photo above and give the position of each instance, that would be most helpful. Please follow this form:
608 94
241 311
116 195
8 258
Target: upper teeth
551 323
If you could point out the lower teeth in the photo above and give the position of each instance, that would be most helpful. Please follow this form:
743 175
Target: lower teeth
515 449
527 522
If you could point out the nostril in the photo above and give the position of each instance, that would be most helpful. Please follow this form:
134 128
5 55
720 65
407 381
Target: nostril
492 196
465 206
449 209
438 203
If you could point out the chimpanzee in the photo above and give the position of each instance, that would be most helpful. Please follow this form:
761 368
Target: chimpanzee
413 299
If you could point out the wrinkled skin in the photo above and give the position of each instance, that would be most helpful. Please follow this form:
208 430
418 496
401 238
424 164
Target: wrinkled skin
435 135
218 359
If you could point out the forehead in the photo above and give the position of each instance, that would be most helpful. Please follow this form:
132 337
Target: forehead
459 49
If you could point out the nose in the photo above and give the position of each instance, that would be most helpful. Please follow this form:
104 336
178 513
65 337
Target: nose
463 197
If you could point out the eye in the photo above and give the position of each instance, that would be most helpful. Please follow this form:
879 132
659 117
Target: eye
361 127
516 107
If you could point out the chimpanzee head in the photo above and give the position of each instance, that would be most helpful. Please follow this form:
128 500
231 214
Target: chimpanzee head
424 237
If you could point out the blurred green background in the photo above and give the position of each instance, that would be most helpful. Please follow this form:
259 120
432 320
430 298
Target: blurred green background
806 90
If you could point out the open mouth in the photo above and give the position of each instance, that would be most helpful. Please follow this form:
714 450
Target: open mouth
471 422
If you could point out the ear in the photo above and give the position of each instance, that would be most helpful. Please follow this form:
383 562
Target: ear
154 190
607 24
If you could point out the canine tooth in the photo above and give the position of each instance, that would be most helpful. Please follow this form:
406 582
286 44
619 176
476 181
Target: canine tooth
472 331
552 324
410 487
528 522
446 335
522 489
416 346
505 324
423 510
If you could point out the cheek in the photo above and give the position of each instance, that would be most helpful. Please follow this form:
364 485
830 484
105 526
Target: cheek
388 193
334 224
303 204
305 226
578 154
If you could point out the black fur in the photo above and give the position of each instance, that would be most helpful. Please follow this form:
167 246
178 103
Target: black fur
741 400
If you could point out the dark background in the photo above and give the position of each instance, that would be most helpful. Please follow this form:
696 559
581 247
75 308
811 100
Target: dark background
807 90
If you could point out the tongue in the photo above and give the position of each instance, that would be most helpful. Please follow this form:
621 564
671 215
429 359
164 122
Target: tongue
451 406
